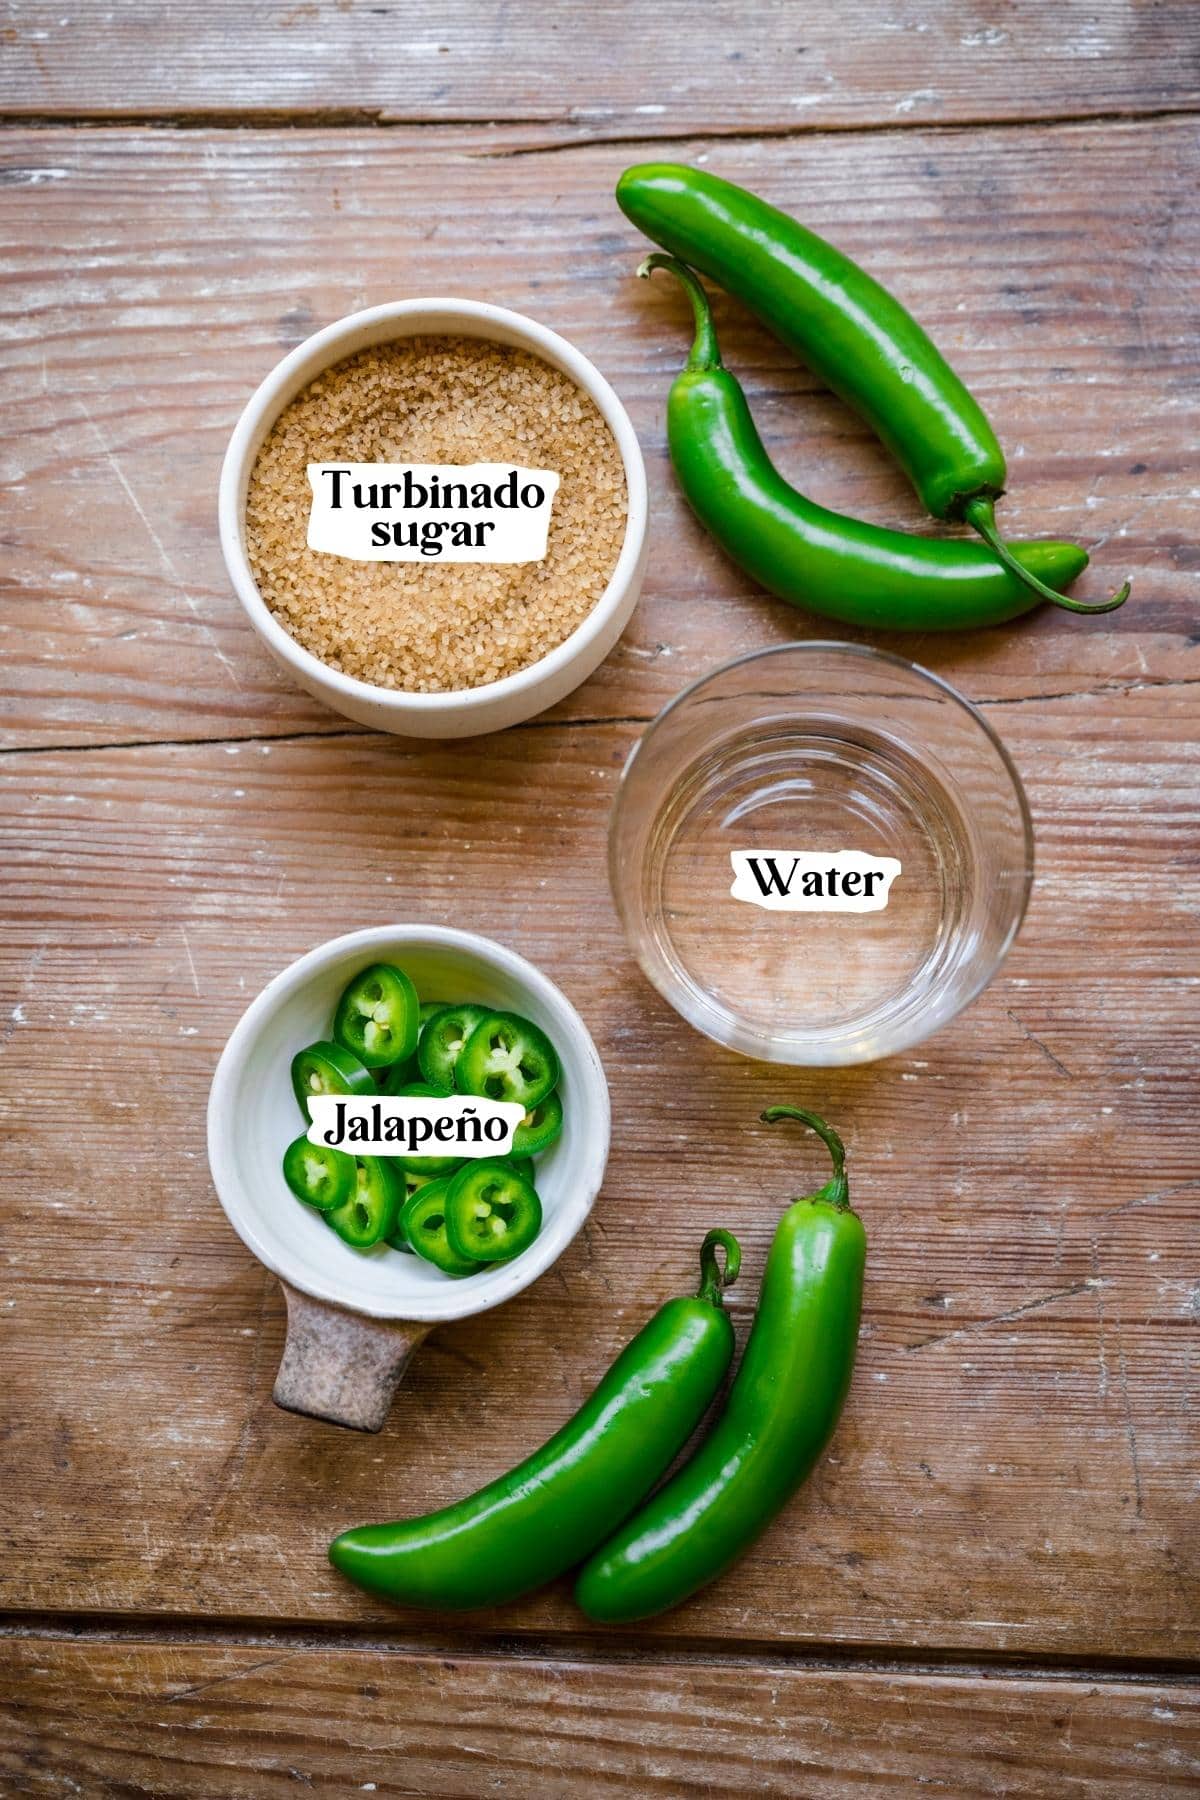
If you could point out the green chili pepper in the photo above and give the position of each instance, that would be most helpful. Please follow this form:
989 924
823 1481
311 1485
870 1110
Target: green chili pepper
507 1057
533 1523
318 1174
370 1212
393 1078
822 560
442 1038
425 1165
423 1222
377 1016
492 1212
851 332
410 1182
781 1412
541 1127
328 1069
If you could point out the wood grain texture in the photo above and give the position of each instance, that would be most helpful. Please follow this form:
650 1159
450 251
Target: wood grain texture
608 68
187 1720
148 280
1016 1470
1015 1477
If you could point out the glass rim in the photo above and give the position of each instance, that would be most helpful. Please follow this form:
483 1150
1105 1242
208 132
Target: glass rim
869 653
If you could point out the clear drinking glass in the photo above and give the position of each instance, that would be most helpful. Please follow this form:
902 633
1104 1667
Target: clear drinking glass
817 749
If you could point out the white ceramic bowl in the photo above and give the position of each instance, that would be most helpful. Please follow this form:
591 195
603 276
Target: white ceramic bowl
467 711
252 1117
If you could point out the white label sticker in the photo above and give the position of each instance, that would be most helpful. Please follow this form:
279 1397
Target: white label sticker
430 512
813 880
411 1125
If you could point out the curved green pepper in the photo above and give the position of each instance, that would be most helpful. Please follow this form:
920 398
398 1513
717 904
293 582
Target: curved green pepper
808 555
781 1412
526 1528
850 331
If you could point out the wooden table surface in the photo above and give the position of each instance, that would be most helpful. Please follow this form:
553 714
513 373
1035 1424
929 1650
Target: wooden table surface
989 1587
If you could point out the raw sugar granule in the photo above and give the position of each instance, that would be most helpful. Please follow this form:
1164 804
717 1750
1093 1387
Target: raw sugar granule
433 627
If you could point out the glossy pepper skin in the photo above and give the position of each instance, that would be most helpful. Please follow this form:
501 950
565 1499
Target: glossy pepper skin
782 1409
847 328
822 560
533 1523
835 317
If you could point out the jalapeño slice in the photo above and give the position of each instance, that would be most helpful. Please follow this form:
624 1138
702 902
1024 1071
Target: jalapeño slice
492 1212
318 1174
442 1040
410 1182
400 1075
370 1212
507 1058
426 1165
377 1016
424 1224
328 1069
541 1127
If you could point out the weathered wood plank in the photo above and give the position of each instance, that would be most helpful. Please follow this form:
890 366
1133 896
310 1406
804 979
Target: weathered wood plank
612 68
1017 1467
246 1722
149 279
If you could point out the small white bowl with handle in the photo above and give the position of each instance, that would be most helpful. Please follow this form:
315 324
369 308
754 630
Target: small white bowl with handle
463 712
355 1317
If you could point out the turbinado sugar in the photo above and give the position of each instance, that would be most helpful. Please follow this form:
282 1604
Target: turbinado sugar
435 628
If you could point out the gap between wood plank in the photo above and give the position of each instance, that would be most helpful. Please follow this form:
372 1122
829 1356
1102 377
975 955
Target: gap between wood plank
581 1647
310 736
369 118
536 724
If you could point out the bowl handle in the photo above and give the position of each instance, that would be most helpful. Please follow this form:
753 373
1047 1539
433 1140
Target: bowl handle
339 1365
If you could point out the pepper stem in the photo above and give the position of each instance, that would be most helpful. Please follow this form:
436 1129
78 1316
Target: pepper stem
711 1278
980 513
705 352
837 1188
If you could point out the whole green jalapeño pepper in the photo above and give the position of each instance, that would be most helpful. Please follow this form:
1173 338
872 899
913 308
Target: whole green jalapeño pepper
815 558
781 1412
851 332
529 1526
